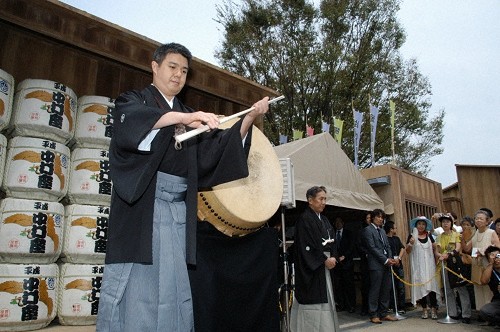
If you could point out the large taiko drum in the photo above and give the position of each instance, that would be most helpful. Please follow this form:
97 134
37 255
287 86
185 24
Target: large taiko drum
243 206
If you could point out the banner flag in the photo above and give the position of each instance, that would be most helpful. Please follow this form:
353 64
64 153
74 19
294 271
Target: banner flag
283 139
373 126
310 131
325 127
337 129
297 134
392 107
358 122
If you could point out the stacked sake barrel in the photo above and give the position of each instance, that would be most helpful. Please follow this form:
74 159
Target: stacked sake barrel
54 216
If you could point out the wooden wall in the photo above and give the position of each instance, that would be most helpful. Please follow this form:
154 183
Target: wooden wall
479 187
46 39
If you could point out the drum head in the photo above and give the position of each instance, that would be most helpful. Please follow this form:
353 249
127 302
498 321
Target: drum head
242 206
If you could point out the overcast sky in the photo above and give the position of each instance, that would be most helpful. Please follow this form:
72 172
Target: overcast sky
456 44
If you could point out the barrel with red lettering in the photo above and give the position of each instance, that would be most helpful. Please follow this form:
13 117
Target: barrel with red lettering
94 122
85 234
44 109
6 98
36 168
79 293
30 231
28 296
90 182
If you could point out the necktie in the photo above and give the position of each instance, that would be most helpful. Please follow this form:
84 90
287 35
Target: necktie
382 239
338 236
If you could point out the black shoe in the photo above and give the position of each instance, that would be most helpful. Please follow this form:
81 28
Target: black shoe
466 320
454 317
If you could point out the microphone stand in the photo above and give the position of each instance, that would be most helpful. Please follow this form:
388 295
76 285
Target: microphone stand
396 314
447 319
286 322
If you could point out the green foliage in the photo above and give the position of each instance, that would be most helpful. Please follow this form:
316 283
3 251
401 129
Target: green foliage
326 61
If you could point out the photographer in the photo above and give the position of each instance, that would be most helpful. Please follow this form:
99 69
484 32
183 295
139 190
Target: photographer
491 276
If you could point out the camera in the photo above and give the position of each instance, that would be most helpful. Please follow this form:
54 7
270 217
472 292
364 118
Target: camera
498 255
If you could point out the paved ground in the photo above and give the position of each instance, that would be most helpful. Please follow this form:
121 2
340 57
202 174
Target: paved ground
412 323
356 322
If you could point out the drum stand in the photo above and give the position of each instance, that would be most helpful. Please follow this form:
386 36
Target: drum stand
447 319
396 314
286 319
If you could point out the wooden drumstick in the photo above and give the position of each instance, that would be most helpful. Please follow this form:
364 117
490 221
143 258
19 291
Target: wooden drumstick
182 137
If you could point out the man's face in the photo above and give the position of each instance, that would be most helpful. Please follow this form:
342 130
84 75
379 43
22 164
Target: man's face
339 224
378 220
170 76
318 203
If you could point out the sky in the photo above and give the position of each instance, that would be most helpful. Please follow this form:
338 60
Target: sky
456 44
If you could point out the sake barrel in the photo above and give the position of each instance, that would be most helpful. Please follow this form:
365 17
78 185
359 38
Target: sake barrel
85 234
90 182
36 169
94 122
6 98
3 155
30 231
44 109
79 292
28 296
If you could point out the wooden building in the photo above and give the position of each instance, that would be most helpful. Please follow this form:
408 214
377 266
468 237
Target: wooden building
47 39
478 186
406 195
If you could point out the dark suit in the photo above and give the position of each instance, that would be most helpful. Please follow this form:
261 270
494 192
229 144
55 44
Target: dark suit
310 278
345 291
378 251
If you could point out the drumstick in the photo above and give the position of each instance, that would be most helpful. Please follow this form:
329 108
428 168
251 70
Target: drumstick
204 128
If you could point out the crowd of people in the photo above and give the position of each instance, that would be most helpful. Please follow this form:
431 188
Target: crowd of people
455 266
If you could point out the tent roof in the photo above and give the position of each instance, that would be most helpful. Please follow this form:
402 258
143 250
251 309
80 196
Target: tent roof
319 161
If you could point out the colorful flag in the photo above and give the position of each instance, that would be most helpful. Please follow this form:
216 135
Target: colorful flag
297 134
373 126
310 131
283 139
392 107
325 127
358 122
337 129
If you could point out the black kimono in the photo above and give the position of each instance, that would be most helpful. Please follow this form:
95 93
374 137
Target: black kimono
210 159
310 278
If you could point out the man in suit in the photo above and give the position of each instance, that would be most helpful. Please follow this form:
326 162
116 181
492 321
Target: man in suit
345 291
379 257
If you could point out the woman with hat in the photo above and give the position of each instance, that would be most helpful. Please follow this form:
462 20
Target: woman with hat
448 248
421 250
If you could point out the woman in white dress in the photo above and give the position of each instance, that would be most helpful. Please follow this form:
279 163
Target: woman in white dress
421 250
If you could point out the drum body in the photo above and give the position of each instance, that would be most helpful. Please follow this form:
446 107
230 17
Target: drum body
94 122
28 296
79 292
36 169
6 98
44 109
240 207
30 231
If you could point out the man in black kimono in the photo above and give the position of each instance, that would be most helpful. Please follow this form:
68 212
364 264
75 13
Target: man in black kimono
152 228
314 308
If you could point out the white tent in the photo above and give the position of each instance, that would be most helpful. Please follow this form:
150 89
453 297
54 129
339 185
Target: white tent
319 161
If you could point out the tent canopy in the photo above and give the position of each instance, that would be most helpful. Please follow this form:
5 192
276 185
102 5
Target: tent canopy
319 161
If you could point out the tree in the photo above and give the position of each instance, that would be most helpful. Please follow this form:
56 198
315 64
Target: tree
327 60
